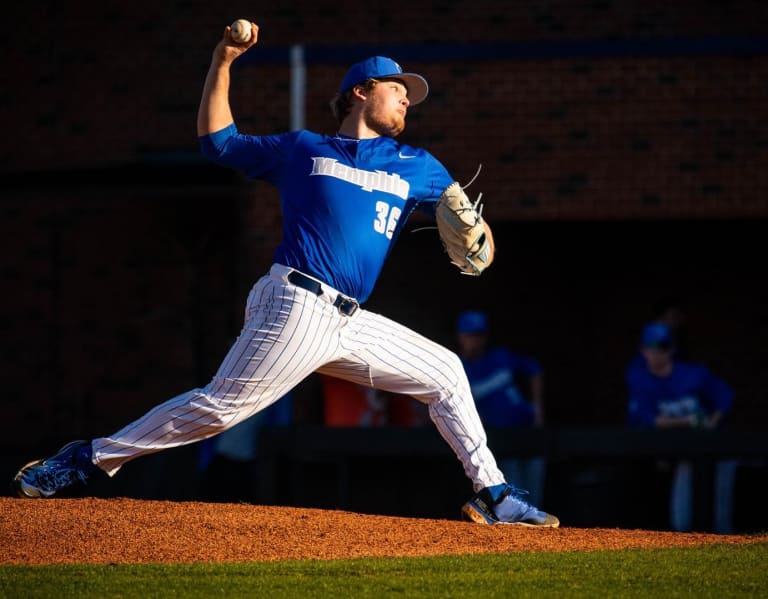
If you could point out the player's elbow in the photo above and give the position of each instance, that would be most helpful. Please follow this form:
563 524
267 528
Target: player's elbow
215 146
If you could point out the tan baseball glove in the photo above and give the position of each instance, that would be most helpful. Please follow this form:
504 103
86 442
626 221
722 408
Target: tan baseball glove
466 237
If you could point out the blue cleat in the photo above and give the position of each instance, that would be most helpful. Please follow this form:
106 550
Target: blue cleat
504 504
44 478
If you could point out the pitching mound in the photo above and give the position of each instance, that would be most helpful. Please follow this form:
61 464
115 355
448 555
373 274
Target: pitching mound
134 531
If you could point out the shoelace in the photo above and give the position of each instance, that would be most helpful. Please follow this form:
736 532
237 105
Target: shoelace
52 478
517 509
516 493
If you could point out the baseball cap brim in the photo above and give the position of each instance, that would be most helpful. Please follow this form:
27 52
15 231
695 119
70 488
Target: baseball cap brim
417 86
472 322
657 335
381 67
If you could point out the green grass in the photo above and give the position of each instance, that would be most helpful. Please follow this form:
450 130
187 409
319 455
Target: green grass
709 571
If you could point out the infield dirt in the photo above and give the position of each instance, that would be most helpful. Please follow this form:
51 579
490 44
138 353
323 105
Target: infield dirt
108 531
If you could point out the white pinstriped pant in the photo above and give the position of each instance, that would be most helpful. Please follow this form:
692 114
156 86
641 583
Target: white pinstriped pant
289 333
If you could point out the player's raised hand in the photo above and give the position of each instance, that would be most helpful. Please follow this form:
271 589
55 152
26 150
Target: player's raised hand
214 112
228 49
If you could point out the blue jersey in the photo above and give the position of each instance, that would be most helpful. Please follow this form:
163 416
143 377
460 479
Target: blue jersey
690 389
344 201
495 379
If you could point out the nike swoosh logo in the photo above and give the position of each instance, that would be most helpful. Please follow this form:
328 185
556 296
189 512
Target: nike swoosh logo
403 156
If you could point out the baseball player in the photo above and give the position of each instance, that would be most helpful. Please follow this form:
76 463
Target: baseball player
666 393
345 198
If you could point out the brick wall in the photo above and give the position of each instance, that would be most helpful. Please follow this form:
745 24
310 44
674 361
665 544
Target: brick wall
619 133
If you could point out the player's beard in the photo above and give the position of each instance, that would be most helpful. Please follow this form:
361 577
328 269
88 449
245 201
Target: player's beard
382 119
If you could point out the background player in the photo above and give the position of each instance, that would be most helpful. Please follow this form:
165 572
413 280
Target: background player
666 393
345 199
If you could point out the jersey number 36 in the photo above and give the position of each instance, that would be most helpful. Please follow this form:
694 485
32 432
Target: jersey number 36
386 218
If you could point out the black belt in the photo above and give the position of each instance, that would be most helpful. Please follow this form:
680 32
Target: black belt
346 305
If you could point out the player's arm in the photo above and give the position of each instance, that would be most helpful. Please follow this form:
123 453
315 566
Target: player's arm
214 113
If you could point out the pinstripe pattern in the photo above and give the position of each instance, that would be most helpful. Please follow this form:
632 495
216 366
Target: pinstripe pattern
289 333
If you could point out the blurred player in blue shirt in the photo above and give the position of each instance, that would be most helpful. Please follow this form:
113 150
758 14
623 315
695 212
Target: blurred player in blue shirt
663 392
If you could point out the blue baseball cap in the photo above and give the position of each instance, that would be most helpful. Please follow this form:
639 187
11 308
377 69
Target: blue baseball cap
379 67
658 335
473 322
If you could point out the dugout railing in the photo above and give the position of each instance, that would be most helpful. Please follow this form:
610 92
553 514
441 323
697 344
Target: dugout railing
595 476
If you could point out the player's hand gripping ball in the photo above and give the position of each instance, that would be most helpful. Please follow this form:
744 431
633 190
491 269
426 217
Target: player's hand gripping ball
241 31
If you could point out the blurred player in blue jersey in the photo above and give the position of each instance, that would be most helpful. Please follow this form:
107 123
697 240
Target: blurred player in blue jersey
345 198
666 393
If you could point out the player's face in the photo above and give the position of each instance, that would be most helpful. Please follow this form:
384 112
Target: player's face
385 108
471 345
659 360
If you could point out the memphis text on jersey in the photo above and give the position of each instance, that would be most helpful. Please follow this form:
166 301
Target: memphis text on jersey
366 180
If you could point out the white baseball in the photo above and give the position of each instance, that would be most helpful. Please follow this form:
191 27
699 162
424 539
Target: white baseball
241 31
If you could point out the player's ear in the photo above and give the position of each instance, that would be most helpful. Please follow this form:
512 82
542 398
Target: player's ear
359 92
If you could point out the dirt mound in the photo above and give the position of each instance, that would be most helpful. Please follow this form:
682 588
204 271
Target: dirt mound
136 531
